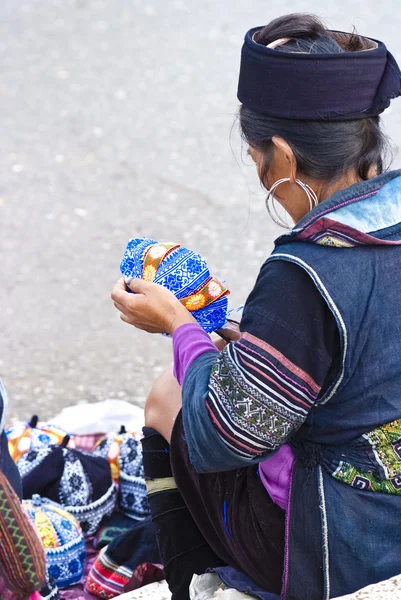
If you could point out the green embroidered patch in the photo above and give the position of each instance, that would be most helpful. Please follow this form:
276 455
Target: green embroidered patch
385 477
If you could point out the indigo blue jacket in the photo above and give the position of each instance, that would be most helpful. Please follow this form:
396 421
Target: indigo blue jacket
345 498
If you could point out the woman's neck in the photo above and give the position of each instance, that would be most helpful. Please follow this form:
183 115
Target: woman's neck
326 190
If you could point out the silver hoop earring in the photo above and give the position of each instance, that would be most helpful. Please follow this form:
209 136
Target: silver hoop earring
312 198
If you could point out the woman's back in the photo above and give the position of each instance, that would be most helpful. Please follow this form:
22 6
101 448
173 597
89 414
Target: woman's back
353 434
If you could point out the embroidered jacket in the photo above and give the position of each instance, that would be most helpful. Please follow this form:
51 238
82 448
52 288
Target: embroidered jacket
345 489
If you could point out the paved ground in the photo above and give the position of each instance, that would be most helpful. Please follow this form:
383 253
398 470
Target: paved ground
385 590
115 122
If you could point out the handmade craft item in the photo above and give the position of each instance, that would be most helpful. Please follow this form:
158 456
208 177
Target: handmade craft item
183 272
120 448
130 560
62 539
124 453
33 437
78 481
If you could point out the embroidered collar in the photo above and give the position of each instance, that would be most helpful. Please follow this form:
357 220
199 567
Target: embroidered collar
367 213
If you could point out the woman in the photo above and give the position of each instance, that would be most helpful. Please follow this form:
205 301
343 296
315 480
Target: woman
285 447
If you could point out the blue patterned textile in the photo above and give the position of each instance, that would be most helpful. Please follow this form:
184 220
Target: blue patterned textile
124 454
50 591
29 443
62 539
342 529
78 481
183 272
132 495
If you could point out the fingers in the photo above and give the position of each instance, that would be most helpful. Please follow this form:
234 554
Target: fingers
151 307
140 286
220 344
119 291
130 304
119 307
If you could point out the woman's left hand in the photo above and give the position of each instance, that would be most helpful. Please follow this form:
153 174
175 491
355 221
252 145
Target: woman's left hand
152 308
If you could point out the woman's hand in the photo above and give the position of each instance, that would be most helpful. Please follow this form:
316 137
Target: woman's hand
152 308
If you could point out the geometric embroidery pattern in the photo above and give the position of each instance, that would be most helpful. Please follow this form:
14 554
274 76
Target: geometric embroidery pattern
21 553
257 398
383 446
62 539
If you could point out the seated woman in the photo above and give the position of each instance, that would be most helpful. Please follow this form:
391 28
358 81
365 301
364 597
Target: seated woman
280 456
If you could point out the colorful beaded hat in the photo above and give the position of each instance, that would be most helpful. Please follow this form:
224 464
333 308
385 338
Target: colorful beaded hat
78 481
62 540
124 453
183 272
32 437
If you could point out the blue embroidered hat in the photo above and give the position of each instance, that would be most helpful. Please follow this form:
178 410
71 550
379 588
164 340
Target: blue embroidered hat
78 481
32 438
183 272
62 539
124 453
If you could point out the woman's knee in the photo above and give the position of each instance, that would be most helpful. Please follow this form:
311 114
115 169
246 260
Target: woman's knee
163 403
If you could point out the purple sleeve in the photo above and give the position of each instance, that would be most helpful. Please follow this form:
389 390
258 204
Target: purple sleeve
189 342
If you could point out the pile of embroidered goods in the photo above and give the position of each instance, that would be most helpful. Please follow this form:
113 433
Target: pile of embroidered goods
86 498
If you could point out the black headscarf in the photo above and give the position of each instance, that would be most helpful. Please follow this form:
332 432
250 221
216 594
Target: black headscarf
332 87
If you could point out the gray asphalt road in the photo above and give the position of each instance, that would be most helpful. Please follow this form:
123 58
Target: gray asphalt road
115 122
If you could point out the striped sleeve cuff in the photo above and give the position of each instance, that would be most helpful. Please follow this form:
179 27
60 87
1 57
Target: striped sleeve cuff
257 397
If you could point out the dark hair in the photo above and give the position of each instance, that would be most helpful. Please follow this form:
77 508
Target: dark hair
324 150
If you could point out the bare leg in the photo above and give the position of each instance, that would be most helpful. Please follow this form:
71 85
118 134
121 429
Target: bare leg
163 404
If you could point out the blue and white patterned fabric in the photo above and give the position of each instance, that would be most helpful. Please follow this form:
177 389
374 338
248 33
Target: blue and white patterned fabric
31 459
62 538
183 272
50 592
29 443
124 454
133 498
132 495
77 480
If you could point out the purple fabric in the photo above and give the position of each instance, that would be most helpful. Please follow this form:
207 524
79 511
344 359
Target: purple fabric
275 474
189 342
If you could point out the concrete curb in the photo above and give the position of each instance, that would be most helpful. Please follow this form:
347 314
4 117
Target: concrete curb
385 590
153 591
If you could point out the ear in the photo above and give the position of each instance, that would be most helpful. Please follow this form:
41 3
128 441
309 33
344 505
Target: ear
287 156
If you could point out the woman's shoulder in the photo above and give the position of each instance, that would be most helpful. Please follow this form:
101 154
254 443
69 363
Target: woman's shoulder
286 306
282 281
